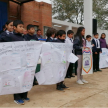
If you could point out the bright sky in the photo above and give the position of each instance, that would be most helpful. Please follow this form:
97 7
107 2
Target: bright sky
47 1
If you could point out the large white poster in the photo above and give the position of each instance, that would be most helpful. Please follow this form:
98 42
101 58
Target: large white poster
103 58
54 63
87 66
18 62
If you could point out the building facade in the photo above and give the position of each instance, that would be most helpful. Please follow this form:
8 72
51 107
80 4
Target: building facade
37 13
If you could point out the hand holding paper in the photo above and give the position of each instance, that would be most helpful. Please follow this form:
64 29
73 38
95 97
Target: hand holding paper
72 58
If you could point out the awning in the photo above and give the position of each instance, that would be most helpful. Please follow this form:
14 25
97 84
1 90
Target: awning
21 1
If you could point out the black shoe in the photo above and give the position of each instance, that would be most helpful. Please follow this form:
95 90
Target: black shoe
35 83
99 70
94 70
59 88
72 76
68 76
63 86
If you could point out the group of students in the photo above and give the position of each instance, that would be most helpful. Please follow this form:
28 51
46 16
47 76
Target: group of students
14 31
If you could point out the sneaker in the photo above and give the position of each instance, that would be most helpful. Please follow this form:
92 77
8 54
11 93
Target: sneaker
79 82
21 102
84 81
27 99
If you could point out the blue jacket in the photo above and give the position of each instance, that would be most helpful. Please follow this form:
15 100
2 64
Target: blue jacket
94 49
11 38
29 37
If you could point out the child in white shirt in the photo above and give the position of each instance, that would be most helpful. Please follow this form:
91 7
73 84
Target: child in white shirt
88 41
69 40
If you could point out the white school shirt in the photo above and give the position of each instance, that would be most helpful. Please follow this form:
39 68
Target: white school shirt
8 32
97 40
88 44
69 40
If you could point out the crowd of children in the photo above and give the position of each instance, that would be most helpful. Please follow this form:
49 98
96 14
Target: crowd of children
14 31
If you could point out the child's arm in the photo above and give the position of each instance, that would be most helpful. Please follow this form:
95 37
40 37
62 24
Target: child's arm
5 39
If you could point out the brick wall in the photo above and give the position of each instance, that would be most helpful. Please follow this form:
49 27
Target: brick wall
36 13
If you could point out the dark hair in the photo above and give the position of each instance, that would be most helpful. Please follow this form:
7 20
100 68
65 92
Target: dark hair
56 34
102 34
95 34
78 34
88 36
17 22
30 26
8 22
38 30
60 33
3 27
50 32
70 32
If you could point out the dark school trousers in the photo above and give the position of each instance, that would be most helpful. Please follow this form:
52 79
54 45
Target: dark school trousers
96 60
70 70
20 96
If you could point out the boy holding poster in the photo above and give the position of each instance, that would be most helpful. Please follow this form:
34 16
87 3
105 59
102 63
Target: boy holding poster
30 35
61 34
16 36
96 52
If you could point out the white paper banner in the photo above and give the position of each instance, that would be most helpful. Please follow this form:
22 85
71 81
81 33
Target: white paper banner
54 63
103 58
18 61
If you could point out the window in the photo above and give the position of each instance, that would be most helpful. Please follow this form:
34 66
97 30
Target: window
45 30
36 28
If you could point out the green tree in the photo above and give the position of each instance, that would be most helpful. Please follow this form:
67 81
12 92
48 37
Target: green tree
72 11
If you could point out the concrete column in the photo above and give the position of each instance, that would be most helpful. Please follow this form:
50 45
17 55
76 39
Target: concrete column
88 17
68 28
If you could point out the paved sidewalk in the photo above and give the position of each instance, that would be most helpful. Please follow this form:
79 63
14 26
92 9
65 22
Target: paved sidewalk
94 94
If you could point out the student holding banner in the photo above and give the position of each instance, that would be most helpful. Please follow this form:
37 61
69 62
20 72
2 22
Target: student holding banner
61 34
50 34
9 28
16 36
78 43
31 37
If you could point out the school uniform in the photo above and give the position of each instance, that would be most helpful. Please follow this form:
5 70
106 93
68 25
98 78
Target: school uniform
5 33
12 38
77 45
88 44
96 48
49 39
29 37
39 37
60 86
70 68
103 43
